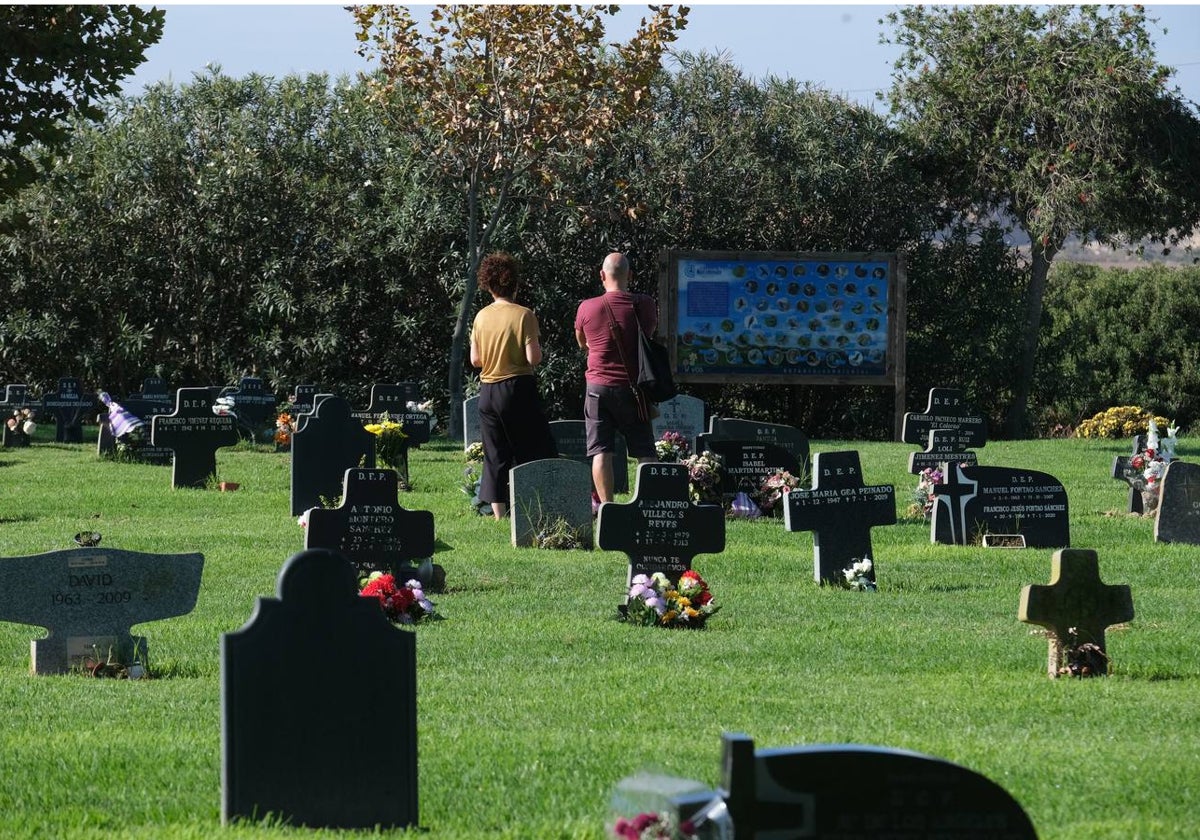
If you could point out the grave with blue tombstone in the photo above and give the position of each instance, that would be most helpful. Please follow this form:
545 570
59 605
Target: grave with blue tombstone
326 443
69 407
194 434
840 511
306 686
975 502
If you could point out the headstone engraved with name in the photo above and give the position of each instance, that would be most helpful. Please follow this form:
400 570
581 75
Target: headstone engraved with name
302 416
471 432
195 434
372 530
89 598
154 398
977 501
683 414
548 495
156 390
1178 517
253 404
326 444
1123 470
1077 607
958 425
797 792
302 399
15 399
389 399
746 464
660 528
570 437
729 428
840 511
69 406
309 687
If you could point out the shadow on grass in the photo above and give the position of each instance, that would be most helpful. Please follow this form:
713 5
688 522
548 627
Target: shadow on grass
24 517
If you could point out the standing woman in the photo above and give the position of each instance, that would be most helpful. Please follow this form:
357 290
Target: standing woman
505 345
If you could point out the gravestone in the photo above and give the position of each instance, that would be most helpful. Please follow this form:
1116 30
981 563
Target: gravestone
1076 604
319 706
373 531
471 432
326 443
961 426
14 401
660 529
391 400
941 450
797 792
1178 517
747 464
153 399
253 404
194 434
302 417
976 501
302 400
682 414
1121 471
69 406
785 437
155 390
550 493
89 598
840 511
570 438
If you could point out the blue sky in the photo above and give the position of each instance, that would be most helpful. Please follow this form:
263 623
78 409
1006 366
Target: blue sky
833 46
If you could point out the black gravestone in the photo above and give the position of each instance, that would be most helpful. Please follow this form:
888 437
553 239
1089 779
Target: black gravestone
152 401
319 706
154 389
949 410
326 444
302 400
253 404
729 428
802 792
840 511
942 449
660 528
69 406
195 434
745 464
372 530
1178 517
302 417
389 400
570 437
976 501
14 401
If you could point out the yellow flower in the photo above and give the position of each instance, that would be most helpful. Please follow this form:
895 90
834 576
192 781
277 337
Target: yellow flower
691 613
684 602
669 616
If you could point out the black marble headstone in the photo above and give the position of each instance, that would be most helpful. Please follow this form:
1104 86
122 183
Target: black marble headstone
389 399
253 404
944 447
840 511
976 501
570 437
326 443
729 428
155 389
319 706
154 399
303 398
949 410
371 529
1178 516
195 434
660 528
69 406
746 465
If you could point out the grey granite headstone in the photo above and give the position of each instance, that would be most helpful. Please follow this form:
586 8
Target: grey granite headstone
326 443
976 501
471 433
660 529
69 406
840 511
549 493
372 530
195 434
89 598
570 437
319 706
1178 517
683 414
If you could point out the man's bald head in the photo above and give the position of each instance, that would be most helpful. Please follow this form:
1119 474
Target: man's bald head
616 269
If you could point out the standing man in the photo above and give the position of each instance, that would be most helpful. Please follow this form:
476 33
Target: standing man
606 326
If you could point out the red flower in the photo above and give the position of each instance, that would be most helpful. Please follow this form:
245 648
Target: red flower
703 598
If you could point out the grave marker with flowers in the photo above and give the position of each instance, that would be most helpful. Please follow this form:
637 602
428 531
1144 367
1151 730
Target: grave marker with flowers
18 416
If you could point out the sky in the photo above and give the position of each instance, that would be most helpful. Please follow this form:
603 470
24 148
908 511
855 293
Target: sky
835 47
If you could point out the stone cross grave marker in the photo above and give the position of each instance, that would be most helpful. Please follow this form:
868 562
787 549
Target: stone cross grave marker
795 792
976 501
69 406
683 414
302 401
373 531
547 494
307 687
326 444
729 428
1178 517
1076 605
471 432
570 438
961 426
302 416
389 399
1121 468
89 598
840 511
941 449
14 400
253 404
194 434
660 529
746 464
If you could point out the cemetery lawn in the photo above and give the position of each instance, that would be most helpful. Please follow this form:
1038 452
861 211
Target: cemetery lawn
533 702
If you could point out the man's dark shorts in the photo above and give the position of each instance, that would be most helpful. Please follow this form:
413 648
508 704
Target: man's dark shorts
608 409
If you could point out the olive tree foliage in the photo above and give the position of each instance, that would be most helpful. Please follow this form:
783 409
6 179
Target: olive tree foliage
230 227
1058 117
57 63
502 96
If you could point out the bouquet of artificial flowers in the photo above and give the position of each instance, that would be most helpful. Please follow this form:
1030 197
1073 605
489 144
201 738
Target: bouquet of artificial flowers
672 447
653 599
778 484
405 604
704 476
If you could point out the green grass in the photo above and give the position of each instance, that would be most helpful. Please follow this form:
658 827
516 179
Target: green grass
533 702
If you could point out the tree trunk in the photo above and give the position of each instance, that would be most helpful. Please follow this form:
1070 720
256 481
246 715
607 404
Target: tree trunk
1016 425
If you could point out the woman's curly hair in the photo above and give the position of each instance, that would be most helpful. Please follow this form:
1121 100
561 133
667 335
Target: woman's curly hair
500 275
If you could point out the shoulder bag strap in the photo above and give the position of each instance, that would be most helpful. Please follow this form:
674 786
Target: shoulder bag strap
618 335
